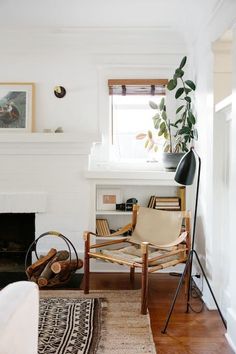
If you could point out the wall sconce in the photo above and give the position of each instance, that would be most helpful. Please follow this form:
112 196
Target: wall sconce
59 91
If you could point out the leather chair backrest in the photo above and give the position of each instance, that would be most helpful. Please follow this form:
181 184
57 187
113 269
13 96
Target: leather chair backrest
158 227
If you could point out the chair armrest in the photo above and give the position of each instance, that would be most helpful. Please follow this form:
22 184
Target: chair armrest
180 239
87 234
117 233
112 242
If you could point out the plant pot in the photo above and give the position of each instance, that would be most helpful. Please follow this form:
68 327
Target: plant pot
170 160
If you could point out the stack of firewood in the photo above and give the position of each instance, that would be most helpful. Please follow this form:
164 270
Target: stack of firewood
53 269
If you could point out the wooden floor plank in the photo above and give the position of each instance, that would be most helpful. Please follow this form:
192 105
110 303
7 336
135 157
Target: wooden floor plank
187 333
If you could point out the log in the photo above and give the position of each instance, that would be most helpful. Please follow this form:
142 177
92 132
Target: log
47 272
41 261
36 274
61 278
68 265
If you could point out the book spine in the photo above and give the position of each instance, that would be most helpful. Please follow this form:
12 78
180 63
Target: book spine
167 208
182 196
167 204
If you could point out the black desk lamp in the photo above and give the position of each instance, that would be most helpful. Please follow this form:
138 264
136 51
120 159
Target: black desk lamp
185 173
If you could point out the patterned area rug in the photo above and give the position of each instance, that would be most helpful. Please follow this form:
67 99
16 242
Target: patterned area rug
123 329
69 325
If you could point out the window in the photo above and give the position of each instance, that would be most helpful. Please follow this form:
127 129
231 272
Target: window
131 114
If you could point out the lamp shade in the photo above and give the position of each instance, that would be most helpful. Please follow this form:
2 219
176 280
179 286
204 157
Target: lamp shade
186 169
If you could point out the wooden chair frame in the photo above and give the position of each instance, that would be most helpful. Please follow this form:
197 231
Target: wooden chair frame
179 248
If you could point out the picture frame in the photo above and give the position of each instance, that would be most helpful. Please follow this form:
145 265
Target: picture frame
16 106
108 198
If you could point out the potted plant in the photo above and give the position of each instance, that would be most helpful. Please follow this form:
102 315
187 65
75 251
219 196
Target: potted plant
178 134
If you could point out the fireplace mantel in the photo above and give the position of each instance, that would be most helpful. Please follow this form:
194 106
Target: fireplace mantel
46 143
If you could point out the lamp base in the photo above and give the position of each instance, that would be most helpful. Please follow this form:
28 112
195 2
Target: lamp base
189 266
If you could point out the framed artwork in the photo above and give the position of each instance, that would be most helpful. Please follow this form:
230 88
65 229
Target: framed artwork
16 106
108 198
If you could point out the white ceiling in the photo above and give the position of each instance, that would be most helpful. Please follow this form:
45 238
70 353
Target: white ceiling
186 16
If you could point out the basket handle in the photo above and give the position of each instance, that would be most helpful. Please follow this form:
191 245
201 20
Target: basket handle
52 233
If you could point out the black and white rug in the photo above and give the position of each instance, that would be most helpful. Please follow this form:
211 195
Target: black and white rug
69 325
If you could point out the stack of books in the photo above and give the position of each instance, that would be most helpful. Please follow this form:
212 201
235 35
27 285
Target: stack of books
102 227
164 203
152 201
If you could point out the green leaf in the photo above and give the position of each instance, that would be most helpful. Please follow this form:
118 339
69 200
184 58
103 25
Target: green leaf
162 129
189 123
178 121
184 130
188 99
149 133
184 147
157 116
172 84
179 72
187 91
175 77
163 126
191 118
164 115
183 62
179 109
146 144
179 92
156 122
162 104
166 135
153 105
190 84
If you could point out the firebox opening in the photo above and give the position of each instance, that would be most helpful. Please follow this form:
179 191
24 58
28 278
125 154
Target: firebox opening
17 232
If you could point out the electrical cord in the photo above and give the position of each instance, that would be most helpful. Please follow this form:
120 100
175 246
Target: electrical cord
195 292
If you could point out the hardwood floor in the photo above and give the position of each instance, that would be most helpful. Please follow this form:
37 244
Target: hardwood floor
187 333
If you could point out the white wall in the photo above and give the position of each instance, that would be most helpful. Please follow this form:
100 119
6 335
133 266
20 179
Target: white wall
79 60
232 244
222 70
46 178
206 242
72 58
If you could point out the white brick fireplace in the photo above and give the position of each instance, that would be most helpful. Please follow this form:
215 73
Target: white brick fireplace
43 173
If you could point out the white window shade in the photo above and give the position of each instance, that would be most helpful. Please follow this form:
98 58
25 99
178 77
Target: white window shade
137 87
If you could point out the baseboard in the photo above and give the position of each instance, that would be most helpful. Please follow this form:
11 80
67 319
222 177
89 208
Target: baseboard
231 328
231 343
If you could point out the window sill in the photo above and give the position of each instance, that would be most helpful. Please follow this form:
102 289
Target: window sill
132 177
128 166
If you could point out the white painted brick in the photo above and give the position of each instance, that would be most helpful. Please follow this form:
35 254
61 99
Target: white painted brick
25 202
53 187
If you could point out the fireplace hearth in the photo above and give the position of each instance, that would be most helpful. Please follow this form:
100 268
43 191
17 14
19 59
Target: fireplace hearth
17 232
